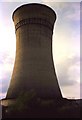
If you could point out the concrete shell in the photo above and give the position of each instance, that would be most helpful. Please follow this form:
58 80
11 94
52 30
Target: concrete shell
34 67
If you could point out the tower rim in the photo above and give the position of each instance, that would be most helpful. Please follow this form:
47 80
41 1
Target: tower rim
33 4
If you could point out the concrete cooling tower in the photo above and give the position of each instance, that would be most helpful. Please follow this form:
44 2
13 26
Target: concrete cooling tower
34 67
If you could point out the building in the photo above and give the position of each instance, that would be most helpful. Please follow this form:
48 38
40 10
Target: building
34 67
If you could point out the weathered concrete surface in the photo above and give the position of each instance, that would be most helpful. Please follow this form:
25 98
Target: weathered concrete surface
34 67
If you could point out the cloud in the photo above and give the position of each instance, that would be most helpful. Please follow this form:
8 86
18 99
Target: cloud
72 92
69 11
4 83
73 14
6 67
68 71
5 80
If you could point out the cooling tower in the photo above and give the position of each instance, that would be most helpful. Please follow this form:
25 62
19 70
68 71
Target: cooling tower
34 67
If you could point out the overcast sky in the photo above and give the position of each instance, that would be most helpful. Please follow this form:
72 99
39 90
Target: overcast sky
66 44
